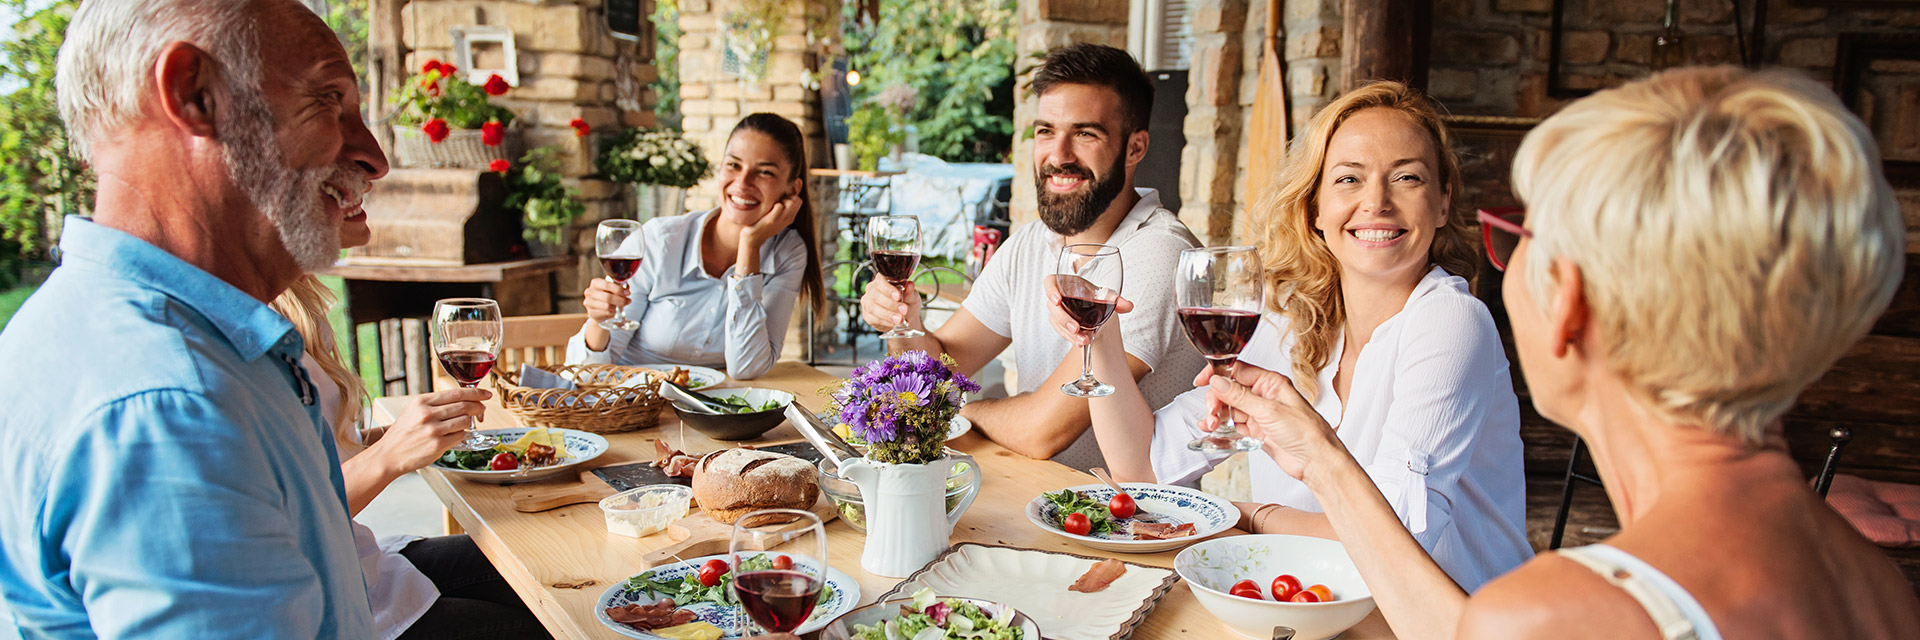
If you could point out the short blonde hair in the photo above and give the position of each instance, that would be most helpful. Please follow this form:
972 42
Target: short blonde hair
1303 276
1734 233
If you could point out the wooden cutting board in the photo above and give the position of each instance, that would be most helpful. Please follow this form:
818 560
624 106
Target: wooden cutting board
699 535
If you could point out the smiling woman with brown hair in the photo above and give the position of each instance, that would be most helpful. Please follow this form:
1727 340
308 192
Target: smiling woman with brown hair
1701 246
1366 259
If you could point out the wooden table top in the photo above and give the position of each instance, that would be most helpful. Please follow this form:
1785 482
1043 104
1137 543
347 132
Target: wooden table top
403 271
560 561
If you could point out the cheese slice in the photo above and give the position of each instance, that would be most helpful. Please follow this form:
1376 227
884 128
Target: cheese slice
689 631
541 435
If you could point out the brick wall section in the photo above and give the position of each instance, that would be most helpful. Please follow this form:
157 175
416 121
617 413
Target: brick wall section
568 65
1490 56
713 101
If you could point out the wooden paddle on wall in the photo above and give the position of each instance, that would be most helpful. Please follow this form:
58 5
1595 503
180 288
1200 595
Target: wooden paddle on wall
1267 128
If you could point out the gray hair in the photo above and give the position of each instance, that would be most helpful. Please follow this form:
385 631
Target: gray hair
106 65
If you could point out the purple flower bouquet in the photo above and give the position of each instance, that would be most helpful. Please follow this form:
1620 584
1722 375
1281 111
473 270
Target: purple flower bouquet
900 406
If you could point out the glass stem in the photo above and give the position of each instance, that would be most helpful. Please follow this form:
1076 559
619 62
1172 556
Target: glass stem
1086 362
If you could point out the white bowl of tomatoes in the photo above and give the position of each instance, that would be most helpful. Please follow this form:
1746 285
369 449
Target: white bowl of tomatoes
1252 583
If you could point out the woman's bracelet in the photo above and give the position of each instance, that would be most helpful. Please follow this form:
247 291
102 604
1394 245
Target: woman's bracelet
1253 520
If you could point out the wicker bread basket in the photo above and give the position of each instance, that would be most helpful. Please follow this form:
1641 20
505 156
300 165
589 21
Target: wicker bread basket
599 405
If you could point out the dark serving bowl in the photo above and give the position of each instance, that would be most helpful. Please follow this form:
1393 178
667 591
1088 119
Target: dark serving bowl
738 426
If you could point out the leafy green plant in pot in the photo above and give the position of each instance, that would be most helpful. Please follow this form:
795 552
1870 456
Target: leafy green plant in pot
547 206
871 133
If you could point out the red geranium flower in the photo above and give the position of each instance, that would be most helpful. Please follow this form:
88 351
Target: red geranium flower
446 70
492 133
436 129
432 65
496 85
580 127
498 166
433 88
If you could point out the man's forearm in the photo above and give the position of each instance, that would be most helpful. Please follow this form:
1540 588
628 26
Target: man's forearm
1030 424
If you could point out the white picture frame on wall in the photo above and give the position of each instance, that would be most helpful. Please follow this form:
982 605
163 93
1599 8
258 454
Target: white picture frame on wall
464 39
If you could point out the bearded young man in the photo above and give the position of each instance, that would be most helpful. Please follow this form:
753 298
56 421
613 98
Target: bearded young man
1089 133
168 473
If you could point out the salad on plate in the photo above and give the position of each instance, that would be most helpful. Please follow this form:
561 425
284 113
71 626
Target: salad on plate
933 618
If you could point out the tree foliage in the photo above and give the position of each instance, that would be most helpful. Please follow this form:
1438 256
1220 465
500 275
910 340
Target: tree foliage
958 55
40 177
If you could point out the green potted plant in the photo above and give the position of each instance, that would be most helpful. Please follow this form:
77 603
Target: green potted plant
660 164
871 133
547 206
441 120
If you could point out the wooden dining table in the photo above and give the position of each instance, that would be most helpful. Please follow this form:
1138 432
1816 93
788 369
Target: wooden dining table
561 561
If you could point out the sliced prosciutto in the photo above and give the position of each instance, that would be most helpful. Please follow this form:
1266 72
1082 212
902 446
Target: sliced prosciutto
1159 530
644 617
1099 577
675 463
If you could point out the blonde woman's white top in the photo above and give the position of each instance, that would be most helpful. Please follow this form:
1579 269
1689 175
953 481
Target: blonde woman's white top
398 592
1431 415
689 317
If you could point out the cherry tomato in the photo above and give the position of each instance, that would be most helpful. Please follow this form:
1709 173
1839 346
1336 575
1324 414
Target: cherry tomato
1121 505
1246 589
1305 596
503 461
782 563
1326 595
1284 587
712 571
1077 524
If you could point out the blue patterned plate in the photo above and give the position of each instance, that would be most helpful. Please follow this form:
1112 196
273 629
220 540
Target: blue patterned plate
731 619
1209 514
581 447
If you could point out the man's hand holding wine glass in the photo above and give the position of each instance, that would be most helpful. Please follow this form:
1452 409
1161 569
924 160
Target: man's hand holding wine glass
1069 328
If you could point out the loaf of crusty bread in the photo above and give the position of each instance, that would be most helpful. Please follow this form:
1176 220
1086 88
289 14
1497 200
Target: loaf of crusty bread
732 483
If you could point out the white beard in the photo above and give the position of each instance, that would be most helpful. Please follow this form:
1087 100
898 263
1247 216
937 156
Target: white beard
290 198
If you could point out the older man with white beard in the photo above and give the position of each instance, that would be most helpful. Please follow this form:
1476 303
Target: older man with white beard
167 471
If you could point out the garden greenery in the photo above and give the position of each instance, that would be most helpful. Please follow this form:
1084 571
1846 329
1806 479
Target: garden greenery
958 54
654 156
546 205
40 178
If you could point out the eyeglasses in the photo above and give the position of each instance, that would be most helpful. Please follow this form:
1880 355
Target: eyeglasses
1502 231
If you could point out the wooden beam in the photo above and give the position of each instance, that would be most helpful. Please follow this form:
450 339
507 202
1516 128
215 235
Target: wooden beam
386 66
1385 39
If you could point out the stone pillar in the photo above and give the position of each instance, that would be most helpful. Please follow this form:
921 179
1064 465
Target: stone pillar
570 67
1044 25
713 101
1210 164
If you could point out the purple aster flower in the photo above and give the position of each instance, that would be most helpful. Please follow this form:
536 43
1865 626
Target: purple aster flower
920 387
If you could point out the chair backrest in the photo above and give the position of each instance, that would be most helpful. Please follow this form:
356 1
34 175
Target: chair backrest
537 340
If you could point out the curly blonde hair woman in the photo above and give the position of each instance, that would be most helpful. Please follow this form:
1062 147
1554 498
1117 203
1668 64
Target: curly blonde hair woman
1701 246
1367 260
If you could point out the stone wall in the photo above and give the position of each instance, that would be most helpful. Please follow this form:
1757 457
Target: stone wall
570 67
713 101
1228 36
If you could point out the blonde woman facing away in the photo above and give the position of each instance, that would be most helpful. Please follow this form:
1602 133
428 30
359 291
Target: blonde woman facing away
1700 246
1367 260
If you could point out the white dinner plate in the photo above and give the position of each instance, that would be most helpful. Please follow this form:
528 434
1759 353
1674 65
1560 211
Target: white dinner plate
1209 514
697 377
729 618
581 447
1038 581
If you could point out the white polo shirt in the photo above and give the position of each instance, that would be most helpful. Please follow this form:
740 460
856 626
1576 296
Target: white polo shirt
1010 298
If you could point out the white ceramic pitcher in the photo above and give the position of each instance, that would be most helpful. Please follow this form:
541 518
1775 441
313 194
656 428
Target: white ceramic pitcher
906 508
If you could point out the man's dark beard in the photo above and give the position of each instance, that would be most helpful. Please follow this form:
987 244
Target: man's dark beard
1067 213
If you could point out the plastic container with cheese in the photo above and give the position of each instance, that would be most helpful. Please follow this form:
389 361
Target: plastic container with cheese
644 511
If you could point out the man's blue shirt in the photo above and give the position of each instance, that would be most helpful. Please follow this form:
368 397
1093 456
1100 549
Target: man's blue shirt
164 470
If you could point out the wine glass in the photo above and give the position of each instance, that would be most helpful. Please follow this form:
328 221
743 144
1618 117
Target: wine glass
780 590
1221 291
893 243
466 339
618 242
1089 282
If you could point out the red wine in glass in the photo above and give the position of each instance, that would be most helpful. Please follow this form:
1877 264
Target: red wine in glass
1219 334
1089 313
896 266
778 600
620 268
467 367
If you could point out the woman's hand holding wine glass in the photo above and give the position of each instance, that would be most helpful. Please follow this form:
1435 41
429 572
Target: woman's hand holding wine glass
466 339
619 244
